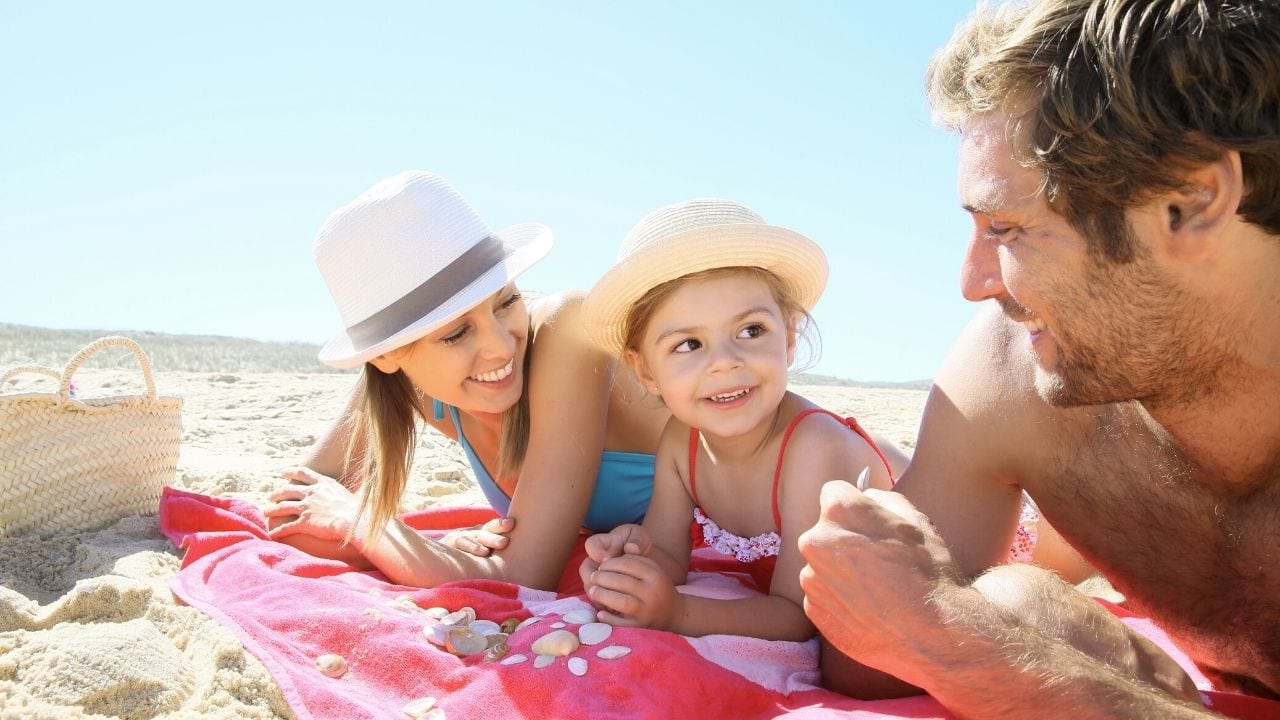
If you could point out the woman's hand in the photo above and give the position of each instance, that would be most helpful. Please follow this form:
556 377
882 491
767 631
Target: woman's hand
482 539
633 591
312 504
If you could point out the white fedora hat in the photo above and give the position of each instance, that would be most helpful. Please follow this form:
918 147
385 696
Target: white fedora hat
409 255
692 236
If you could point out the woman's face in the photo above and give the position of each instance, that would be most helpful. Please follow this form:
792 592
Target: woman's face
475 362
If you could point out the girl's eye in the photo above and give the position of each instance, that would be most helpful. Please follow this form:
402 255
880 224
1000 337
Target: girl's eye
754 330
515 298
687 346
461 333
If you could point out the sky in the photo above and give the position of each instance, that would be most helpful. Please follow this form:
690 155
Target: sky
165 166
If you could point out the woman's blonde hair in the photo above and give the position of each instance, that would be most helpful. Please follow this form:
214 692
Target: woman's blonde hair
387 429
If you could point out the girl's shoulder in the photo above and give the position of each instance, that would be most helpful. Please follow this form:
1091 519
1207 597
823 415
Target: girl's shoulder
822 434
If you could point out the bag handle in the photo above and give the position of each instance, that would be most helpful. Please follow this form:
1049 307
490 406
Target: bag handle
37 369
64 387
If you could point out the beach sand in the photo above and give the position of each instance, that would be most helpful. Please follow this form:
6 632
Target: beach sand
88 625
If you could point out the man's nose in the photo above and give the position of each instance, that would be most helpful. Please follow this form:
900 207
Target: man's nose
980 275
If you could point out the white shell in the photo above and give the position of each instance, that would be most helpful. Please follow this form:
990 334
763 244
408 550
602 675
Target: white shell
437 612
557 624
527 622
542 661
436 633
334 666
581 616
465 616
578 666
465 641
434 714
486 627
513 659
594 633
612 652
416 709
556 642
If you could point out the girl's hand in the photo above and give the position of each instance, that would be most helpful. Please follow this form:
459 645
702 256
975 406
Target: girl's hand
633 591
482 539
632 539
312 504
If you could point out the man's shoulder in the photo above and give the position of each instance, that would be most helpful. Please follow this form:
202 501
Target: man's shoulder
990 364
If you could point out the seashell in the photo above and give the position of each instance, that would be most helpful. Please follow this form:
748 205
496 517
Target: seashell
496 639
556 642
334 666
578 666
541 661
463 641
594 633
527 622
581 616
485 627
612 652
434 714
557 624
417 709
509 625
496 650
437 612
436 634
514 659
465 616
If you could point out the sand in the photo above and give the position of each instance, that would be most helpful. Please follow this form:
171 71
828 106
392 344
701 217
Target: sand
88 625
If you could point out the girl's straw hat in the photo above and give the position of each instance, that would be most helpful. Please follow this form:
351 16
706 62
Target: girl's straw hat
696 235
409 255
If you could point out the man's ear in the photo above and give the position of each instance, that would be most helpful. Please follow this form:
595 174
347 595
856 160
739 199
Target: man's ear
641 370
1196 215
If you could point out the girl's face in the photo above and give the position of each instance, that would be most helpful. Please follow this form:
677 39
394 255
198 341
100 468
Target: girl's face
717 352
475 362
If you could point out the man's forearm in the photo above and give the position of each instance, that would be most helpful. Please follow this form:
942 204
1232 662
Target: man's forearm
983 661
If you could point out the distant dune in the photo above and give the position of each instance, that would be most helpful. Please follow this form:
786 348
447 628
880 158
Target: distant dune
21 344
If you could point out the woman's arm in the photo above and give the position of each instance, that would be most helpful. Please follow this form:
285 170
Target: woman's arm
329 454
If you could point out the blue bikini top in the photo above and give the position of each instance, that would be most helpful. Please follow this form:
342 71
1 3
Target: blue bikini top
624 483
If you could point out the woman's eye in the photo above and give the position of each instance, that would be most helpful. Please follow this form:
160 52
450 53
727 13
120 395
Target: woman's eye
461 333
687 346
753 330
515 298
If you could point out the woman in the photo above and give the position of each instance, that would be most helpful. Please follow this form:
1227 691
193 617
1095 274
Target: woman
549 421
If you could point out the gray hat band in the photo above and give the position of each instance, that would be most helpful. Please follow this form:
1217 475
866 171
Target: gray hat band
436 291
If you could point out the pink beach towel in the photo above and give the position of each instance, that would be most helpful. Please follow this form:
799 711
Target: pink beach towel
288 608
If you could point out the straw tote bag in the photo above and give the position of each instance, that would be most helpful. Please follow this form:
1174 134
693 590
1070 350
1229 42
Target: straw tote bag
69 465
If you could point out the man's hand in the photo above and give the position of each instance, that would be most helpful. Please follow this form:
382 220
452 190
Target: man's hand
482 539
874 561
633 591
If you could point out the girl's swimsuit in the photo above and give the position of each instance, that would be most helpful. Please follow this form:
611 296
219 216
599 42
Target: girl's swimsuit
758 554
624 483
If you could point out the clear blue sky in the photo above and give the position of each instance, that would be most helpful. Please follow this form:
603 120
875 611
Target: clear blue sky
164 166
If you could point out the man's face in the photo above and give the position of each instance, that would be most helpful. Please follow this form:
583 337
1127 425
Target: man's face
1100 331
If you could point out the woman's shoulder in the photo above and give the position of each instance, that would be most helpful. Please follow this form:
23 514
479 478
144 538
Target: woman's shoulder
559 317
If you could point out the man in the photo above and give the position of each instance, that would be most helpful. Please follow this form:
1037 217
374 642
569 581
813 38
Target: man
1121 163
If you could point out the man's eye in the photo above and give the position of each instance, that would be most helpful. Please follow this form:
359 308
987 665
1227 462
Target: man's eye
1000 230
687 346
753 330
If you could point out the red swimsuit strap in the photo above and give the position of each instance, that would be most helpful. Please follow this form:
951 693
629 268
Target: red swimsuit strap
786 437
850 423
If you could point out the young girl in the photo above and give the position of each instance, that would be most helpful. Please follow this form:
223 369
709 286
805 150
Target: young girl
705 305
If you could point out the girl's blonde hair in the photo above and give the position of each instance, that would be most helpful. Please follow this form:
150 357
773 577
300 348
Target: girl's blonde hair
386 427
798 320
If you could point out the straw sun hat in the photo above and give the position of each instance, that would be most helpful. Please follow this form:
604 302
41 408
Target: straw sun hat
408 256
696 235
